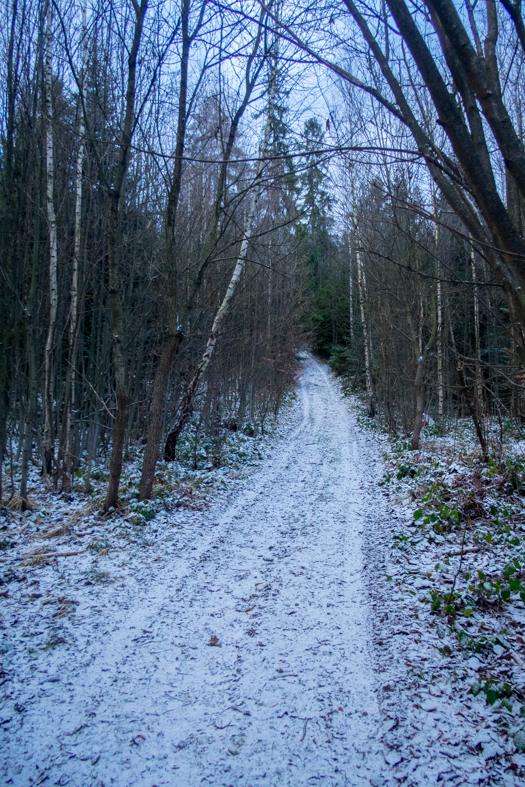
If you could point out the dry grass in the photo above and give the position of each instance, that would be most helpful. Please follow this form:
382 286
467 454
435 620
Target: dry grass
55 533
19 504
35 560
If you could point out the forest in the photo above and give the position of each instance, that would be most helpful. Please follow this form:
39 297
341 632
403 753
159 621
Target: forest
190 192
262 392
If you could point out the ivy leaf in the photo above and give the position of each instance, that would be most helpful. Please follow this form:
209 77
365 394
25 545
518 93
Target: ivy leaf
492 696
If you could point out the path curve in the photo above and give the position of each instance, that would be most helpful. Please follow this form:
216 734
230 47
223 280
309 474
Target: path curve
286 694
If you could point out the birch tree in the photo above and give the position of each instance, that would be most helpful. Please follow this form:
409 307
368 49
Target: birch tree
70 392
361 288
195 380
178 311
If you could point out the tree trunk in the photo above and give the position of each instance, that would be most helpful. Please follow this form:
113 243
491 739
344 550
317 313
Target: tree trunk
361 287
31 342
122 386
420 403
503 245
419 387
479 388
156 416
175 336
4 405
29 422
439 319
7 224
70 403
351 298
48 441
467 393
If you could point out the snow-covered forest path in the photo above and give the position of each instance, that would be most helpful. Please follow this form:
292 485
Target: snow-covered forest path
286 694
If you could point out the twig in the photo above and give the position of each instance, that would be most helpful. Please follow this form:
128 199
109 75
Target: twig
60 531
54 554
464 551
304 729
104 405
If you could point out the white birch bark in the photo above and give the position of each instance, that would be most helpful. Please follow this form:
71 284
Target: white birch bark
421 325
53 278
73 316
361 288
241 258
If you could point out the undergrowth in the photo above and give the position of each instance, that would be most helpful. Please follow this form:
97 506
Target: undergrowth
464 519
204 464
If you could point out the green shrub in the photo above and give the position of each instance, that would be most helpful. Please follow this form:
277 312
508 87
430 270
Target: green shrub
341 359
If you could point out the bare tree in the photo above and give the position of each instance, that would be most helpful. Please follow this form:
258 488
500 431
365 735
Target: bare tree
187 404
48 441
122 386
177 309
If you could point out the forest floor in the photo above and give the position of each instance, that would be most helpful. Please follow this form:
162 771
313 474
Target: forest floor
280 632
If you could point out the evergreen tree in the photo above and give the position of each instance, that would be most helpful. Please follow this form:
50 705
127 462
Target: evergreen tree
328 304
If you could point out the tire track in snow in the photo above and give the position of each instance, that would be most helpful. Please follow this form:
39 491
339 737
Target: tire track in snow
286 695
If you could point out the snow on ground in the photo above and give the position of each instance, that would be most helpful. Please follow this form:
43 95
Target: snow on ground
450 638
257 641
436 731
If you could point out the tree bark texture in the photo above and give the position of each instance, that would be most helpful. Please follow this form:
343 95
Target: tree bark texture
70 397
48 440
361 288
122 385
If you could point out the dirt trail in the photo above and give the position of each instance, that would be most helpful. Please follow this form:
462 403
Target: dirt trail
286 694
